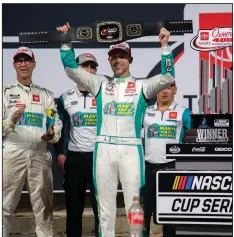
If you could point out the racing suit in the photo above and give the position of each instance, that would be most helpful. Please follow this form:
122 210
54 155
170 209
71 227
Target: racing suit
25 156
77 110
160 128
121 103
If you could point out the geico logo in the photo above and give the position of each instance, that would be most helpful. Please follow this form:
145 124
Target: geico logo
223 149
213 205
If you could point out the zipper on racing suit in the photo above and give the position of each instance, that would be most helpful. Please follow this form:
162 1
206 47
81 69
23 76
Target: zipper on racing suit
85 93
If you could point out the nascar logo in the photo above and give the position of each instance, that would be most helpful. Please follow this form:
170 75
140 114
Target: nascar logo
183 182
202 183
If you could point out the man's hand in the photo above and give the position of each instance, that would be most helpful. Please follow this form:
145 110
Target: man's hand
164 37
64 28
49 135
60 162
18 114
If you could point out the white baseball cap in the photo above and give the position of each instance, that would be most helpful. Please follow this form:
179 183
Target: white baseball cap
24 50
121 46
86 57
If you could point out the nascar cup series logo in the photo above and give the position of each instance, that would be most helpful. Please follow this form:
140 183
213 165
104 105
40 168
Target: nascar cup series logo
194 197
208 40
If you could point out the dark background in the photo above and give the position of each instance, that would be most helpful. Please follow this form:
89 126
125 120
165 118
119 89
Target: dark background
38 17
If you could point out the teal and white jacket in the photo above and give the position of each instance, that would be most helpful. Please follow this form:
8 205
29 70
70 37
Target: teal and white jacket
161 128
121 102
77 110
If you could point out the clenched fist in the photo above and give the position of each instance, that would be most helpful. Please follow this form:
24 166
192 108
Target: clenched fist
49 135
164 37
64 28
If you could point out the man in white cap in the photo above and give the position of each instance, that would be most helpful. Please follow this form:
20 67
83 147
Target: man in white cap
27 110
77 110
121 103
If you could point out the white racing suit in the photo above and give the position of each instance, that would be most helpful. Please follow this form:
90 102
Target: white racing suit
121 103
25 156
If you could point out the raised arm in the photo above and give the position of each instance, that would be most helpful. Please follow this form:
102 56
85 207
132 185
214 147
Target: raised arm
162 81
156 84
90 82
167 61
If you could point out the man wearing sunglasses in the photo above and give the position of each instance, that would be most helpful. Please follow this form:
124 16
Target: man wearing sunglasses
26 159
77 110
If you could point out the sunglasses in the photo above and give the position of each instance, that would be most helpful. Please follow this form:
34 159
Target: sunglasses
20 61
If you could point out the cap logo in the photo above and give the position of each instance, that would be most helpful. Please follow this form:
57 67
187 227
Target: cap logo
23 50
121 45
88 55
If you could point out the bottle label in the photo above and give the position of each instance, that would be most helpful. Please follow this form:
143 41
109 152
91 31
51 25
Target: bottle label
135 218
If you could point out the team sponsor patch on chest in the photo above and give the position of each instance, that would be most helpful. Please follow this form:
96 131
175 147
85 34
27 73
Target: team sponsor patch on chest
14 96
31 119
14 101
109 90
80 119
131 88
161 131
119 109
36 98
94 104
172 115
151 114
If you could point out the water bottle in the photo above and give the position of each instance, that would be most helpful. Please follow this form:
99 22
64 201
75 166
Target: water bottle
136 218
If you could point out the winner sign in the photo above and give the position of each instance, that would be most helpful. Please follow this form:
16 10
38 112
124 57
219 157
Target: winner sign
212 135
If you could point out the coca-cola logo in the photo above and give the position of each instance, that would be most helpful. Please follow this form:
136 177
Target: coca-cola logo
135 218
199 149
174 149
138 216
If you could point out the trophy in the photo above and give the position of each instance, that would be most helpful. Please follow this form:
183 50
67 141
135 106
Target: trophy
108 32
